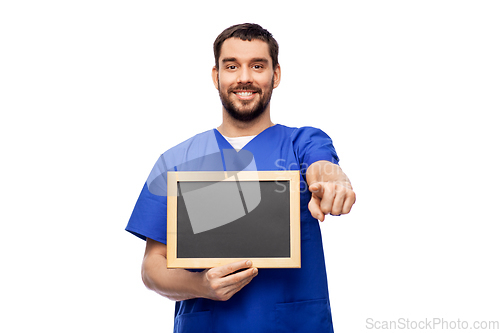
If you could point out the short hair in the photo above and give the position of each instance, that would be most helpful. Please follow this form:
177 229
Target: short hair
247 31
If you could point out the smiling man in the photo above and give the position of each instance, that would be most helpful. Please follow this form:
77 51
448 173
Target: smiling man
245 79
237 297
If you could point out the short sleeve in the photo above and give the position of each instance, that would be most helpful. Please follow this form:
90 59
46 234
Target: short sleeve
149 217
311 145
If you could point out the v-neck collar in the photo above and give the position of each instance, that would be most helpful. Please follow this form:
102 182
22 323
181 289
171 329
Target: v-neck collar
224 142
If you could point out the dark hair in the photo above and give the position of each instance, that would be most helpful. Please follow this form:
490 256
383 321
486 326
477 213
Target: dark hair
247 31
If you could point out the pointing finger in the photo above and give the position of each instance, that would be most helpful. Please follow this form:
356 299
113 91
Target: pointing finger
315 209
316 188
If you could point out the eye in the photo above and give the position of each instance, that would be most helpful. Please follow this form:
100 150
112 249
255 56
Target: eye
258 66
232 67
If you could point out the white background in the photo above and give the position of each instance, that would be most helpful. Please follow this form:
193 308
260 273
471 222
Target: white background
92 92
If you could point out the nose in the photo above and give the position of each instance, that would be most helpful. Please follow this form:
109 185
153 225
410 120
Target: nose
245 75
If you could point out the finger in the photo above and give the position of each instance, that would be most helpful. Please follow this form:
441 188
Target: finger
338 204
242 277
245 279
236 266
231 284
316 188
328 198
349 201
221 271
315 209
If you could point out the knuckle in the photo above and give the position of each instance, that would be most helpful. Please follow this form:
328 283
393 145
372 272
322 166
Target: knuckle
336 211
217 286
326 207
236 279
211 275
341 190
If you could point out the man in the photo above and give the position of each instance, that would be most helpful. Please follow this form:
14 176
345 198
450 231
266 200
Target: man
238 297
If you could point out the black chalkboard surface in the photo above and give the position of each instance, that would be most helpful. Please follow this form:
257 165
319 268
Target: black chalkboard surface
216 218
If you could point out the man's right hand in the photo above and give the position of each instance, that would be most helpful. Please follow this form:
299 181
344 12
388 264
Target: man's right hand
221 283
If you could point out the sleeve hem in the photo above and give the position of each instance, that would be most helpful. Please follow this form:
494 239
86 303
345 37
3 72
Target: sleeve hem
144 236
320 157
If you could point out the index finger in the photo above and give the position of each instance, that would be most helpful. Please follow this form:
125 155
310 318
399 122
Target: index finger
316 188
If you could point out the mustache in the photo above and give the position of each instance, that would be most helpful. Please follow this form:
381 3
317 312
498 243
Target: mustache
245 87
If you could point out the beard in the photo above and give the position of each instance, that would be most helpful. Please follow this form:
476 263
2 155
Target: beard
238 113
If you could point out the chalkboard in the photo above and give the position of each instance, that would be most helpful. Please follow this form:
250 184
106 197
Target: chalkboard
214 218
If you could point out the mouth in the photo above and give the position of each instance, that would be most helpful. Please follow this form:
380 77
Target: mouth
245 94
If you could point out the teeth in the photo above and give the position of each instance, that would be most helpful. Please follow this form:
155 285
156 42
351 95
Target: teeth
244 93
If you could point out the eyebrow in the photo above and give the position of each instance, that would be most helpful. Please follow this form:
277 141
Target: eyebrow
264 60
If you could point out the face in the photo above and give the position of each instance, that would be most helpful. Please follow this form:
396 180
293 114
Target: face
245 78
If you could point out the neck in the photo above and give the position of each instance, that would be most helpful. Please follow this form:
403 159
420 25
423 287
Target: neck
231 127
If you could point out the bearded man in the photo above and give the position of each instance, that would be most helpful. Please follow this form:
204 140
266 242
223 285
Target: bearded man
238 297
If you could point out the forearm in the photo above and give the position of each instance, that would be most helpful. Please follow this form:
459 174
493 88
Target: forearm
175 284
218 283
325 171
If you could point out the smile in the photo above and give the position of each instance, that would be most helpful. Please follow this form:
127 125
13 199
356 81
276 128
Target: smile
245 94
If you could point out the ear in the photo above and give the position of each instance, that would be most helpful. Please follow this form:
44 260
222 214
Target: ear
277 76
215 77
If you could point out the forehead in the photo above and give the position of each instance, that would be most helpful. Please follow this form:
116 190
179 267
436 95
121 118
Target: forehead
244 50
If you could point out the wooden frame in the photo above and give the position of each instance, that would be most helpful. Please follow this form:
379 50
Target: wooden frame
265 179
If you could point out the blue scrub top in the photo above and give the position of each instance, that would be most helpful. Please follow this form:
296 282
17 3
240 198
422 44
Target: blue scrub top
276 300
